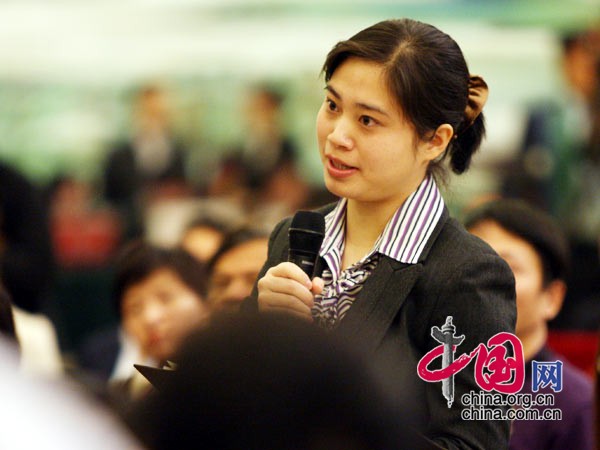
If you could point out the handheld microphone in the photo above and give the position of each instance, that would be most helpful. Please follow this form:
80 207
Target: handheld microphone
306 235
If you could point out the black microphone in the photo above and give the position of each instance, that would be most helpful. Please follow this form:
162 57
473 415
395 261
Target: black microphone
306 235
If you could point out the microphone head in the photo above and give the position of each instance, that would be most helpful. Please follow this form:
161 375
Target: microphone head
307 231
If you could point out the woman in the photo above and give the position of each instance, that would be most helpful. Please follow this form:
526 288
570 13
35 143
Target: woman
399 101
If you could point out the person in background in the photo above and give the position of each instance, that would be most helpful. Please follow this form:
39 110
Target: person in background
266 147
234 267
149 164
26 258
263 168
558 170
204 232
54 414
61 414
161 296
202 238
398 100
27 271
7 321
537 251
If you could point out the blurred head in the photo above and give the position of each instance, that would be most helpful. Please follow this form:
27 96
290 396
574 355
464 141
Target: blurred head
234 268
581 61
425 75
263 108
160 295
202 241
203 237
536 250
269 382
151 109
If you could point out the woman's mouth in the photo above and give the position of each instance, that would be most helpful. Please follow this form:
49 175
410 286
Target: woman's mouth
339 165
338 169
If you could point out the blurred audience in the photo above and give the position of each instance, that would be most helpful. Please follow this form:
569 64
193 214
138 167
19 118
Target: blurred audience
537 251
558 169
7 320
53 414
235 266
34 336
27 271
172 224
204 231
203 237
38 340
85 232
161 296
258 383
26 258
167 221
150 164
264 168
559 142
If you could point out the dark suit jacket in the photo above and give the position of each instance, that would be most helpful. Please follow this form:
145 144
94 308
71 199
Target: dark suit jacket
391 319
122 179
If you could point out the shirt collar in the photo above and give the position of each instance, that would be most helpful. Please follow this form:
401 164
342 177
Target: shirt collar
403 237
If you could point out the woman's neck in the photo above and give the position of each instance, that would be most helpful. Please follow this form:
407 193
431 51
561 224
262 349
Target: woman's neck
364 224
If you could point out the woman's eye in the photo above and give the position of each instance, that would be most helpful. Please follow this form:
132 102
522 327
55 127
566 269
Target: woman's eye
331 105
367 121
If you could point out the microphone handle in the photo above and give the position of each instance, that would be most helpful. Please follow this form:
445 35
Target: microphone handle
305 260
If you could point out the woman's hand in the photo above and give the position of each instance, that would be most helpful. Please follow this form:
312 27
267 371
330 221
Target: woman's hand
287 288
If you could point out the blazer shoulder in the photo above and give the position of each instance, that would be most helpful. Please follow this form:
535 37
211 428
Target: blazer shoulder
454 239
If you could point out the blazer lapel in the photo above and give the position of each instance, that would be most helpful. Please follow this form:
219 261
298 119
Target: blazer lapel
384 293
376 305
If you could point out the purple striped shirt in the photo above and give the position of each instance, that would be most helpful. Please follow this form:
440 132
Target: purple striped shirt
402 239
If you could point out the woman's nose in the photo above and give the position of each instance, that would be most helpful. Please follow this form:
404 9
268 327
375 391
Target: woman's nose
340 135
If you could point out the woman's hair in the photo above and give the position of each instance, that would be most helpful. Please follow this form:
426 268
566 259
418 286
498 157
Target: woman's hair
138 260
427 75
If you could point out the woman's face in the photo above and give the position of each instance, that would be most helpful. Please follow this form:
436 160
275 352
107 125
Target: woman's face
370 152
159 311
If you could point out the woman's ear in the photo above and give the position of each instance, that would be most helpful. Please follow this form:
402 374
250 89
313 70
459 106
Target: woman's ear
439 141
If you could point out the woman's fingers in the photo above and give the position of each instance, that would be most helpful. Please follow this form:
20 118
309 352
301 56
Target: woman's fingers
317 285
286 287
291 271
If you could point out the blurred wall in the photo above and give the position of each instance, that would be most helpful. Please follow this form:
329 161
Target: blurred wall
66 68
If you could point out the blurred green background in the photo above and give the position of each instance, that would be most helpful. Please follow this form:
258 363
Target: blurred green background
67 68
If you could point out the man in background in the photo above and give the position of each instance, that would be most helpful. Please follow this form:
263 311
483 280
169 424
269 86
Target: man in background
235 266
537 251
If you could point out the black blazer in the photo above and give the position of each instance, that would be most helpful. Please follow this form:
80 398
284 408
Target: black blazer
457 275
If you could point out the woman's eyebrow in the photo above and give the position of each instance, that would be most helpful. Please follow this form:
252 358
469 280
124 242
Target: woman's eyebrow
360 104
372 108
332 91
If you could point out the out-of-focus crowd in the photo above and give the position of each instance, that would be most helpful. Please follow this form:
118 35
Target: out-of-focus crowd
97 278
